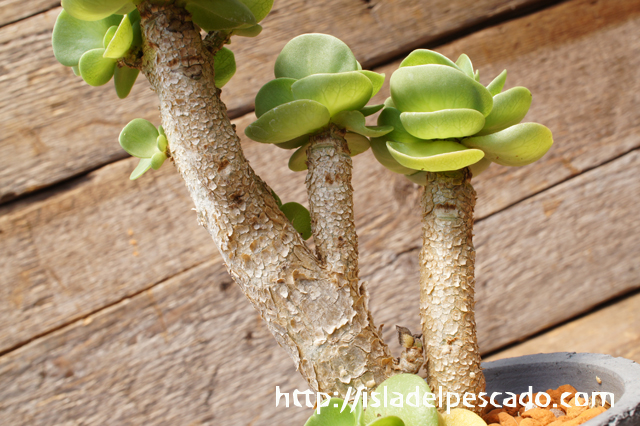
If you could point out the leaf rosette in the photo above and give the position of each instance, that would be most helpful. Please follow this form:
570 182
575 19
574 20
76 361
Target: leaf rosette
444 120
318 82
141 139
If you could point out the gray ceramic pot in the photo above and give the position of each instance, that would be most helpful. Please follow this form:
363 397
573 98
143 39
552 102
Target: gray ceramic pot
548 371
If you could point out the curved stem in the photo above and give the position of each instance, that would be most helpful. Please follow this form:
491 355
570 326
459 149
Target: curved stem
447 262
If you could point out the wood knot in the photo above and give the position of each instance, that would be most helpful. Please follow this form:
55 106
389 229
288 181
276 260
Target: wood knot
223 164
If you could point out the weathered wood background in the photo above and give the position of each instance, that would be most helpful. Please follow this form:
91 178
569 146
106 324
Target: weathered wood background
115 308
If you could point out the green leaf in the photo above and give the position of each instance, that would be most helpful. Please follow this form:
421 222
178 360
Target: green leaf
354 121
139 138
381 152
127 9
161 142
338 92
371 109
480 166
428 88
288 121
252 31
517 145
497 84
143 165
377 80
443 124
121 41
161 131
220 14
388 421
95 69
157 160
76 70
427 57
93 10
310 54
293 143
357 143
462 417
259 8
464 63
332 415
434 156
476 75
73 37
275 197
389 102
224 64
124 78
391 117
412 388
419 178
299 217
509 108
298 160
274 93
108 36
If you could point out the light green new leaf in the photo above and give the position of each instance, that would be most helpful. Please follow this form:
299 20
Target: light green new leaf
157 160
93 10
310 54
259 8
413 412
161 131
161 142
388 421
298 160
391 117
497 84
517 145
427 57
224 67
73 37
509 108
76 70
127 8
443 124
377 80
121 41
419 178
465 65
293 143
289 121
124 78
299 217
476 75
480 166
108 36
355 122
434 156
357 143
252 31
234 12
338 92
381 152
331 415
428 88
389 103
139 138
95 69
274 93
143 165
371 109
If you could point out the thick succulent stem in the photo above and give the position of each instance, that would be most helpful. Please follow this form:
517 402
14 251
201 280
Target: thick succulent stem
447 284
317 320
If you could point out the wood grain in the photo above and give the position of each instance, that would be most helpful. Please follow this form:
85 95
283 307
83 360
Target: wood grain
191 350
55 126
14 10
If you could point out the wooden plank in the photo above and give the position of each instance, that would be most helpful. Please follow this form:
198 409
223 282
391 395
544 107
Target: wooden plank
612 330
15 10
55 126
192 351
49 244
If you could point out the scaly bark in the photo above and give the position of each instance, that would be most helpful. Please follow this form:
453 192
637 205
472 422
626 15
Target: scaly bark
447 282
324 328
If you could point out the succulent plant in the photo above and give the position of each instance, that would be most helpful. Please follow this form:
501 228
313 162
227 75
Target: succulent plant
444 119
318 82
141 139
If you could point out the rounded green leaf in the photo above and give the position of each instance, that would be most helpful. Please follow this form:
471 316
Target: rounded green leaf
338 92
293 143
391 117
124 78
288 121
259 8
224 65
93 10
419 178
298 160
310 54
161 142
427 57
143 165
389 103
331 415
480 166
161 131
443 124
299 217
434 156
76 70
497 84
412 388
377 80
428 88
464 63
509 108
127 8
220 14
73 37
388 421
275 197
381 152
95 69
517 145
357 143
354 121
371 109
121 41
274 93
108 36
157 160
252 31
476 75
139 138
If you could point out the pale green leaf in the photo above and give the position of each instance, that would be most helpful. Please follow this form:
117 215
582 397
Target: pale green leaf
497 84
354 121
434 156
371 109
161 141
220 14
224 64
157 160
428 88
139 138
381 152
357 143
252 31
377 80
121 41
337 92
443 124
299 217
332 415
389 102
161 131
124 78
310 54
95 69
274 93
293 143
298 160
419 178
480 166
509 108
143 165
259 8
517 145
289 121
127 8
464 63
427 57
93 10
76 70
391 117
388 421
476 75
108 36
